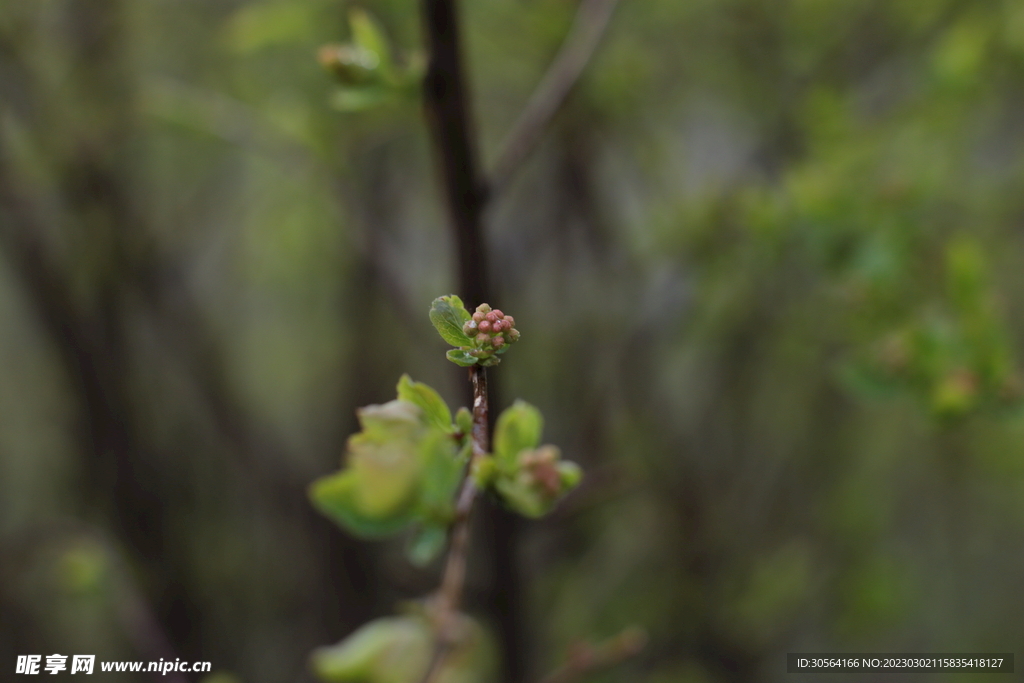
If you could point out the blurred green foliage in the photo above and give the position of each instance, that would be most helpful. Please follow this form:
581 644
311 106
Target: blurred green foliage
770 260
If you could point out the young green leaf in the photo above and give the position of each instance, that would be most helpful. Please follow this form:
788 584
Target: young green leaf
398 649
367 34
435 410
388 650
361 98
461 357
426 544
448 314
333 496
395 467
441 474
518 428
464 420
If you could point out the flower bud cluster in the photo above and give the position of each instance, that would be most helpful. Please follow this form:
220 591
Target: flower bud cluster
490 330
541 466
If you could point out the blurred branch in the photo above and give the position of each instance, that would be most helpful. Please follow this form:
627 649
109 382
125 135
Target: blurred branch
452 131
448 115
585 658
590 23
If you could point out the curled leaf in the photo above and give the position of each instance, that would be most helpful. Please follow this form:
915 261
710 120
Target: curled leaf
448 314
429 401
403 467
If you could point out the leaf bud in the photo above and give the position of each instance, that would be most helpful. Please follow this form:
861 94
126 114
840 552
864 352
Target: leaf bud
350 64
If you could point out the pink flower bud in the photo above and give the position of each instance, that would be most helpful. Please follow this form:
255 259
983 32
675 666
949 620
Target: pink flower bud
491 317
483 308
478 316
470 327
513 334
482 338
510 321
498 342
497 312
484 326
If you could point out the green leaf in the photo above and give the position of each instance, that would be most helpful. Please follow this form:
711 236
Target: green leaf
398 650
448 314
464 420
519 495
570 474
333 495
461 357
388 650
426 544
378 493
442 473
484 471
435 410
361 98
367 33
518 428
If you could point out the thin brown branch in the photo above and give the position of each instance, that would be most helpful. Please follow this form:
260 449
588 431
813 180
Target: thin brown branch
449 595
589 25
585 658
451 125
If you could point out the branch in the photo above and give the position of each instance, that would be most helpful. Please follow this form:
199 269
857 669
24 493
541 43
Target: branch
590 23
445 102
584 657
449 595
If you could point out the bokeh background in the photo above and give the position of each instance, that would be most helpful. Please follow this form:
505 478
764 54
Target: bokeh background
767 264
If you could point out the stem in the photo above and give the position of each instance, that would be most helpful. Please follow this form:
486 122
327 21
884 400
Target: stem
585 658
449 595
448 116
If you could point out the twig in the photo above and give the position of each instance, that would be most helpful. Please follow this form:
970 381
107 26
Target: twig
445 102
584 657
590 23
449 595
